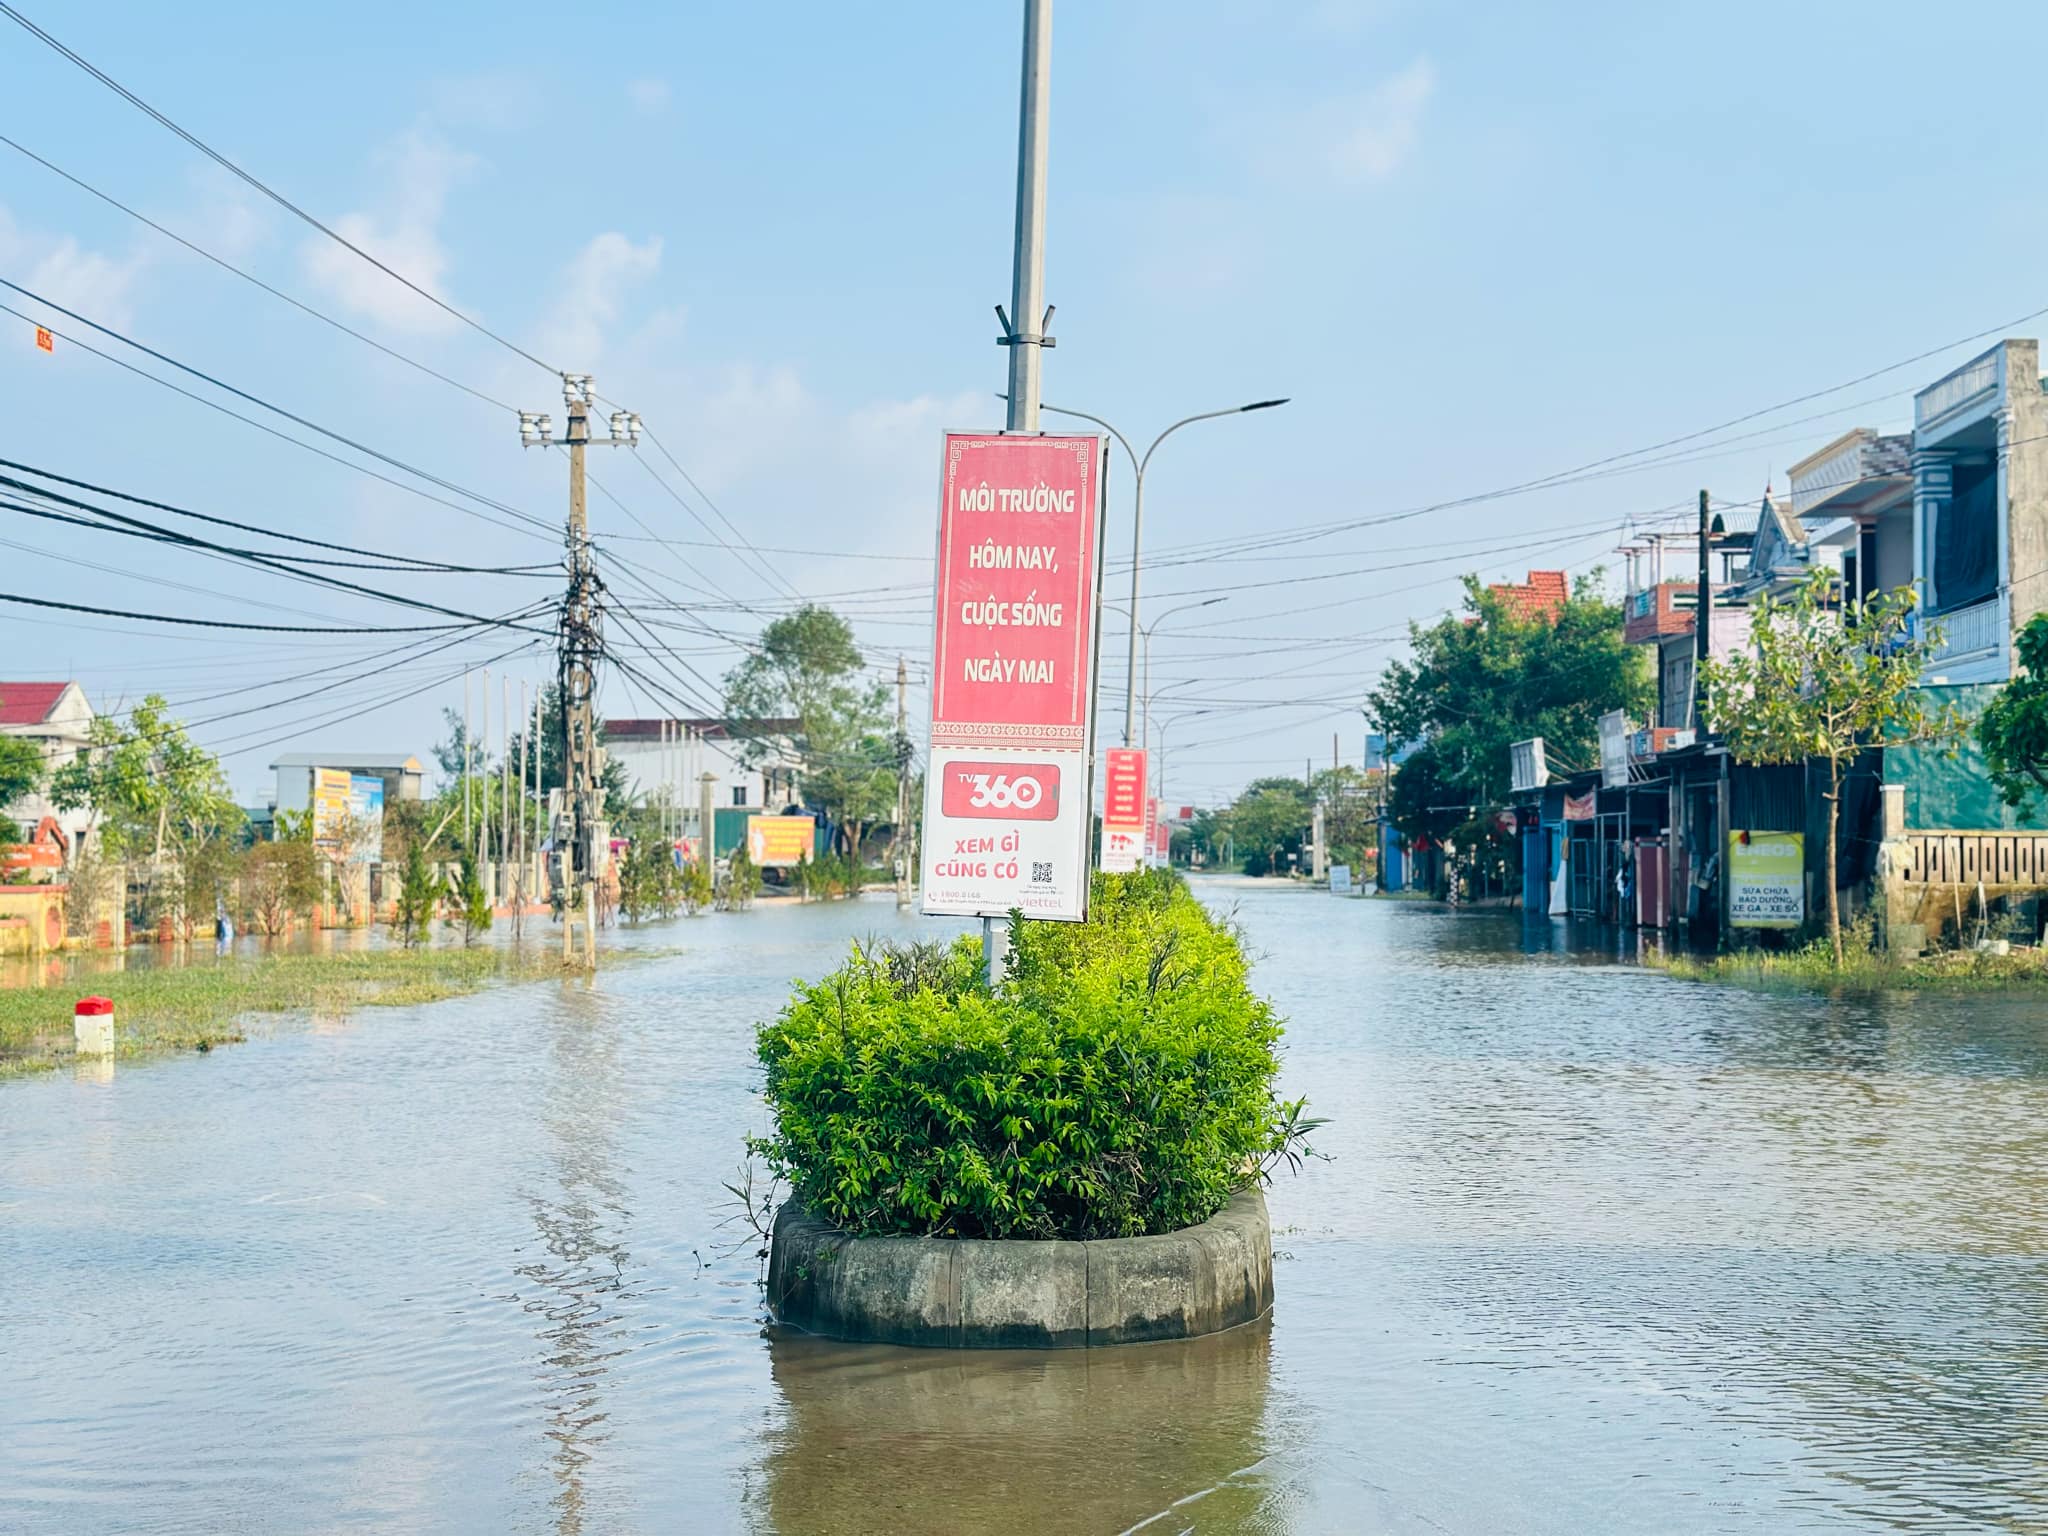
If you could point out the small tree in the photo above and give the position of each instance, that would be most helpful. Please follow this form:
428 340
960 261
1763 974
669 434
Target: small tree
2014 727
469 904
697 889
1826 680
419 893
280 882
742 880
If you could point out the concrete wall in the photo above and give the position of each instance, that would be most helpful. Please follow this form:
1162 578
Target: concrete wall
2023 439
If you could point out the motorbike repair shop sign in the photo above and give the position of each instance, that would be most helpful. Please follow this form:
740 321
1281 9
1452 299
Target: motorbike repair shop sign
1013 671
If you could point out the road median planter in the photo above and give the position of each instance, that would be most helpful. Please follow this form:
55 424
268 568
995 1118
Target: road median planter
1001 1293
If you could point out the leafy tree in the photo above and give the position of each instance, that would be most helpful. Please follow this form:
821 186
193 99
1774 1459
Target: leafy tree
808 670
2014 727
419 894
280 882
21 769
1268 822
457 755
1826 681
148 785
1477 683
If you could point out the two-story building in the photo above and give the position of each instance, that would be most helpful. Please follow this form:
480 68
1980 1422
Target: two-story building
1980 509
58 719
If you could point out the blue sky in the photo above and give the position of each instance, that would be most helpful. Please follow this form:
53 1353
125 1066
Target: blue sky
1477 245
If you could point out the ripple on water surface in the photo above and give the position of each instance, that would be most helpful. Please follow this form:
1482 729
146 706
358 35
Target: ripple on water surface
1595 1252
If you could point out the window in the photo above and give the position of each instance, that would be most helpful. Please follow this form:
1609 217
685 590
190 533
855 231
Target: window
1966 539
739 794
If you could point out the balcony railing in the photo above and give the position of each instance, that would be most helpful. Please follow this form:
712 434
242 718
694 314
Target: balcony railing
1966 383
1978 630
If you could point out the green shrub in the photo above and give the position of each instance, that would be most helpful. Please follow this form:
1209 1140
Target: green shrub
1119 1083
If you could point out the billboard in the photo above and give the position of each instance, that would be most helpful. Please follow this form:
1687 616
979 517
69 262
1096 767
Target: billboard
332 793
1123 810
1013 668
1766 879
781 842
366 818
348 815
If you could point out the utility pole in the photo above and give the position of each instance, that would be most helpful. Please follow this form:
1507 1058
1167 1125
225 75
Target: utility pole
903 842
1702 625
580 842
707 826
1027 336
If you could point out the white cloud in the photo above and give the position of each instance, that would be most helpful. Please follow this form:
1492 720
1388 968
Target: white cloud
418 170
593 293
59 268
648 97
1368 137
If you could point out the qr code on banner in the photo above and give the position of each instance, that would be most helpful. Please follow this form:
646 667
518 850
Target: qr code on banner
1041 874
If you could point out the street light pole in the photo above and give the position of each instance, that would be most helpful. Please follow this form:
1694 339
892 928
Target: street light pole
1139 463
1146 631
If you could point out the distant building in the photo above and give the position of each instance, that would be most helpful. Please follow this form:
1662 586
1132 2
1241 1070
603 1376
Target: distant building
403 777
670 755
57 718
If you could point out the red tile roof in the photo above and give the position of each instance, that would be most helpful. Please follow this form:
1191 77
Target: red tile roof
1541 597
28 703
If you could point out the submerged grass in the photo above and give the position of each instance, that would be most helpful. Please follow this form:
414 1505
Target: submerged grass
1812 968
198 1007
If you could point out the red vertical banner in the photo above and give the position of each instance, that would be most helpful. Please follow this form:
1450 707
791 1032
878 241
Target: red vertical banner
1013 673
1123 810
1151 829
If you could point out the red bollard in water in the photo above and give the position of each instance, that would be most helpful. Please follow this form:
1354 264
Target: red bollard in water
92 1026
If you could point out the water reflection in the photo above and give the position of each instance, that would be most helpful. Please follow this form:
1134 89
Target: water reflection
912 1441
577 1288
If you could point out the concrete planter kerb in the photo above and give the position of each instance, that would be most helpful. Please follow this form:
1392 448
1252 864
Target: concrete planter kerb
980 1294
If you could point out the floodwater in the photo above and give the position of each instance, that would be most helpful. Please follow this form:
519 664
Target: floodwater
1594 1251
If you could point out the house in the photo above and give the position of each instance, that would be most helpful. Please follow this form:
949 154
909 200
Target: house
403 777
58 719
1661 606
1980 509
668 758
1542 596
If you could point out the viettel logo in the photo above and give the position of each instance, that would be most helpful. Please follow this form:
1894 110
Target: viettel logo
1011 791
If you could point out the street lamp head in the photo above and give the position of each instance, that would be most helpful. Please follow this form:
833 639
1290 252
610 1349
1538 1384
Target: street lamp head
1265 405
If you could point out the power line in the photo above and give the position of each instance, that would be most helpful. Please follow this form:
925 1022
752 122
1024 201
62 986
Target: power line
265 427
278 410
270 192
249 277
271 629
138 528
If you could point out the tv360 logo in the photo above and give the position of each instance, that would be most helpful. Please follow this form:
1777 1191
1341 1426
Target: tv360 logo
1011 791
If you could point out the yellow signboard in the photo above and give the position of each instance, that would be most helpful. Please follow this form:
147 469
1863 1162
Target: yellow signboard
1766 879
778 842
332 792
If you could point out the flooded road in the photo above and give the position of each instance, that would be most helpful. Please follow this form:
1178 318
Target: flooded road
1595 1252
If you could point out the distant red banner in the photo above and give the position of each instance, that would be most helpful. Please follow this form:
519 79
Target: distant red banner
1123 810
